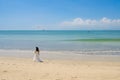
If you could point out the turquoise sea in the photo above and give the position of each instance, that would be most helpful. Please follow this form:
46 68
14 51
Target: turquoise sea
61 40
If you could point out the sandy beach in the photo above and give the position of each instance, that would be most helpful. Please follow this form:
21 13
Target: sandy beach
21 68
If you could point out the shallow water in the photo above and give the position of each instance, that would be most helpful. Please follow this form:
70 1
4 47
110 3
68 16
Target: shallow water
63 40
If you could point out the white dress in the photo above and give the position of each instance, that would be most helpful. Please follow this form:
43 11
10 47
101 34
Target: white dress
36 57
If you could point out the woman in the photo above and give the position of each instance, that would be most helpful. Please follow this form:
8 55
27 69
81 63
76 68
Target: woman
36 55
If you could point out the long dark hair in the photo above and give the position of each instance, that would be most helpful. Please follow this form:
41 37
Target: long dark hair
37 49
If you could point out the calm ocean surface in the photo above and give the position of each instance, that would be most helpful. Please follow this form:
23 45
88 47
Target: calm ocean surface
62 40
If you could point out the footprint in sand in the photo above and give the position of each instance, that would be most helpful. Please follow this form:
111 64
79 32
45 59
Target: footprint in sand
57 79
45 75
74 77
13 64
3 79
5 71
2 63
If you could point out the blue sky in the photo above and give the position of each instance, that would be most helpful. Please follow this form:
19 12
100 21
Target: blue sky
59 14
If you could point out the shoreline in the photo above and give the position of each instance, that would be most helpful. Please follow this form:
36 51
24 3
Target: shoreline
59 55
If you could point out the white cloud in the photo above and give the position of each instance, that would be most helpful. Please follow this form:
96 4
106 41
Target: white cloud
92 22
105 20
